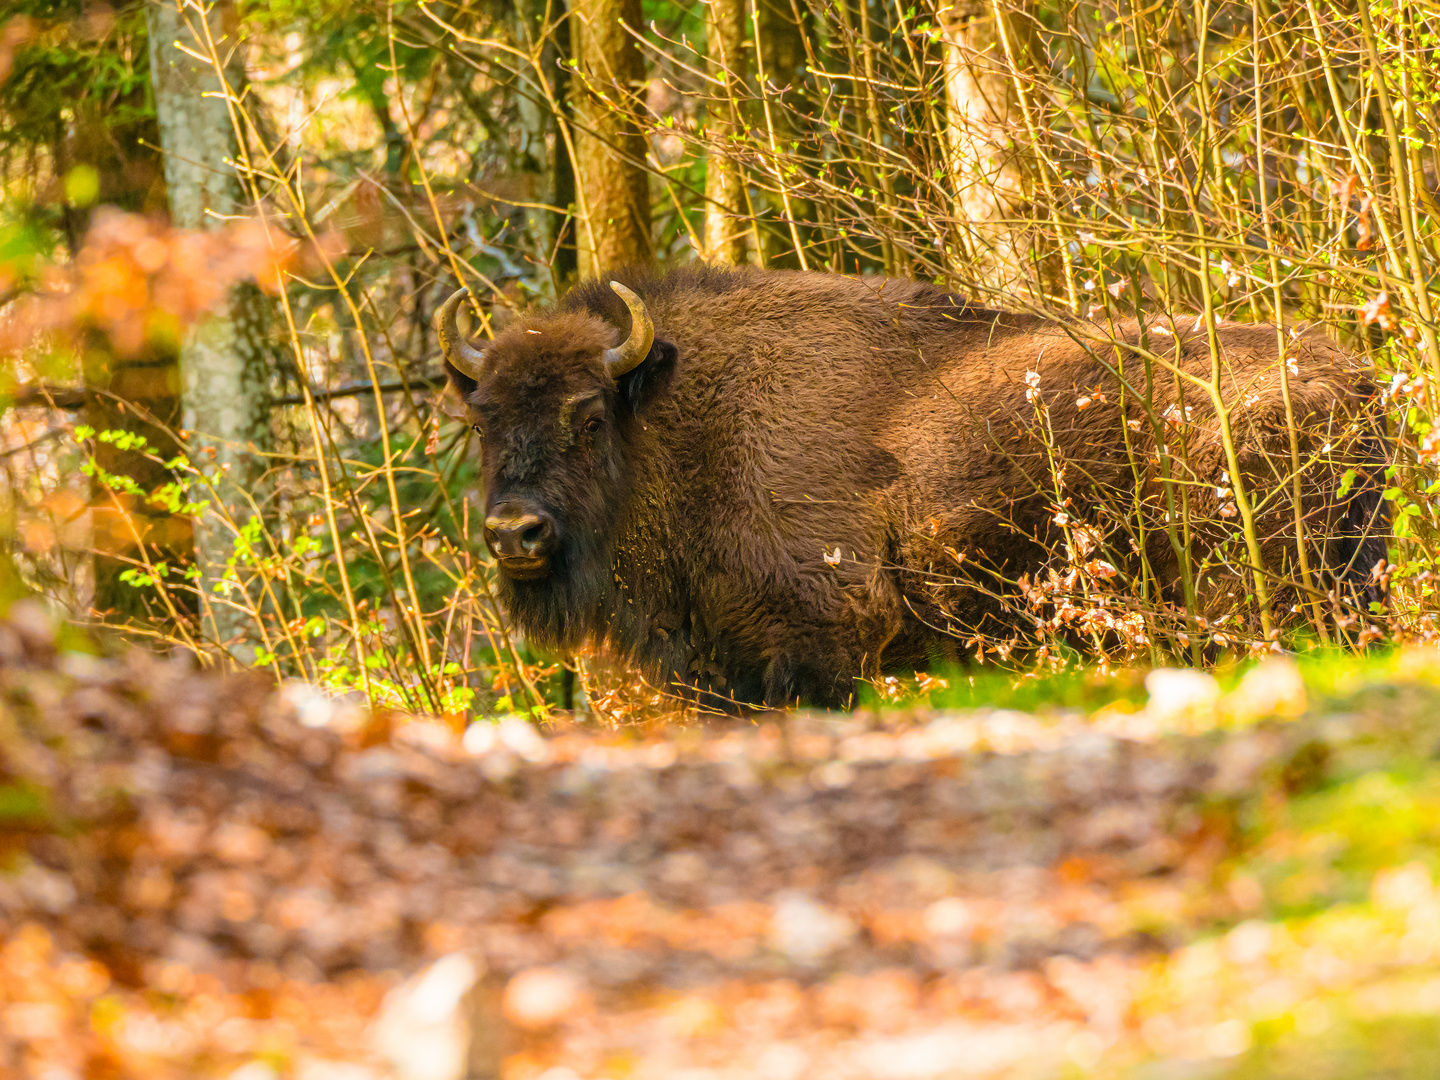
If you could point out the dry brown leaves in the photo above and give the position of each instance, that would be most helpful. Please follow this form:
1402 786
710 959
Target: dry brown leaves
211 877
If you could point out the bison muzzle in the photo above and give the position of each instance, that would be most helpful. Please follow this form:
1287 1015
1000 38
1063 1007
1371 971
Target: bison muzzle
760 486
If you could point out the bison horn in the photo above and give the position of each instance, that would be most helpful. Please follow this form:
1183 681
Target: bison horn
629 353
463 356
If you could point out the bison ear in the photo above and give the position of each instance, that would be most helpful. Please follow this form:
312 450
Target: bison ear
639 387
464 385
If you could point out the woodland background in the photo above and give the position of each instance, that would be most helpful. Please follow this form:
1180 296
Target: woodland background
227 462
225 229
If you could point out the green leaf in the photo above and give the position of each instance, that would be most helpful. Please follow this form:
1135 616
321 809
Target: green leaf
137 578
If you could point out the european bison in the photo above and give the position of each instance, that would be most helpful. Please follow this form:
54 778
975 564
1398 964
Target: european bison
761 486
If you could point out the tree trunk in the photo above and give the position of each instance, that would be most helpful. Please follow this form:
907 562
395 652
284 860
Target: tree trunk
224 375
543 150
986 173
783 30
725 227
613 189
567 254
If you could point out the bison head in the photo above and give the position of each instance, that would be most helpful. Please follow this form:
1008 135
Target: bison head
556 403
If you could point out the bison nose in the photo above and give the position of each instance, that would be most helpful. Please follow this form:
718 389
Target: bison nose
520 536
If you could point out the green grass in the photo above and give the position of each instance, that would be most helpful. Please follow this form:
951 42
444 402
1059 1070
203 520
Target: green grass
1332 675
1395 1048
1076 688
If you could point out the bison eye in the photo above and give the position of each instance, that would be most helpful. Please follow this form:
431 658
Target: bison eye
593 424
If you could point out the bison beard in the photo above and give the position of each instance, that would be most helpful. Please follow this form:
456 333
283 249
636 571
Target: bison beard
755 486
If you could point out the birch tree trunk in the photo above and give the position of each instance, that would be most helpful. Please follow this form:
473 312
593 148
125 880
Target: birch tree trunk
725 227
986 174
224 374
613 190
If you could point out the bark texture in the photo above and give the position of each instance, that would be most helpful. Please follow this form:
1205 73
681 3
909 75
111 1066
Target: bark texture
782 33
614 190
543 153
224 373
986 172
725 227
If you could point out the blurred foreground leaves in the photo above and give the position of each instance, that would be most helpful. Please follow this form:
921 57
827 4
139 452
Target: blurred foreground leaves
206 878
142 283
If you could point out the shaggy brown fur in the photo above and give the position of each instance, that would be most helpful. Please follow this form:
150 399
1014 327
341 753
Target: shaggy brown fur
780 416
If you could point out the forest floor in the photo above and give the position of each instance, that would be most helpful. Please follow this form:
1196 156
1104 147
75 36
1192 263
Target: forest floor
205 878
